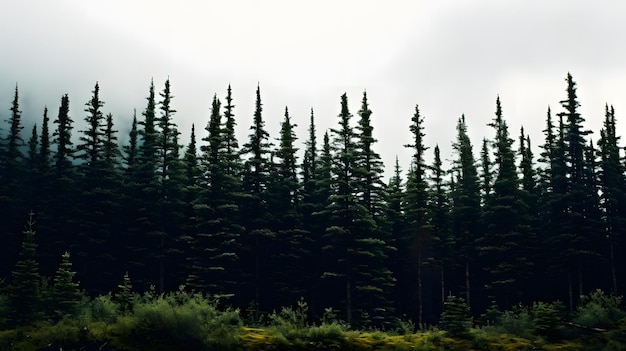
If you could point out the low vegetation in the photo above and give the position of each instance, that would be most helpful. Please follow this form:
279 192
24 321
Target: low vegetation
193 321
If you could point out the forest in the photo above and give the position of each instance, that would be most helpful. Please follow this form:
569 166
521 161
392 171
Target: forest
307 224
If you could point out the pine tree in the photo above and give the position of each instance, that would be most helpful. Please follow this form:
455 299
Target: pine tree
11 175
505 247
99 154
125 296
420 238
370 165
256 215
612 182
144 230
398 228
439 208
574 241
24 298
169 176
216 240
66 295
59 219
352 250
466 211
293 244
456 318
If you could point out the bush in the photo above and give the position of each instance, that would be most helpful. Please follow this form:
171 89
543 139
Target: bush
599 310
187 319
518 322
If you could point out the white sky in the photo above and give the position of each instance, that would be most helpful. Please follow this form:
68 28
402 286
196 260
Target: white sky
450 57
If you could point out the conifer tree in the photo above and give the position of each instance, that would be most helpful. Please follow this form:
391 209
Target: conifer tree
258 235
11 175
144 227
167 235
420 238
439 208
99 154
125 296
466 211
60 217
505 247
352 249
214 240
486 172
293 246
65 293
574 241
612 182
370 164
24 298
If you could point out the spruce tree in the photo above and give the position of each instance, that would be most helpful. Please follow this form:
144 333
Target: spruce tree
612 182
66 295
167 236
215 238
465 211
352 250
11 175
293 243
144 230
439 208
24 298
505 247
574 241
420 238
257 221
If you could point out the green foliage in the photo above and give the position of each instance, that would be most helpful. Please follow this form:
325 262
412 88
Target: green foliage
24 295
102 308
456 318
517 321
65 294
182 318
125 297
547 318
599 310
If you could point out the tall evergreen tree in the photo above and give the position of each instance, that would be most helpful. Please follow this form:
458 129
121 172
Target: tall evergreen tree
439 208
505 247
574 241
353 251
215 257
11 175
169 172
612 182
258 235
144 230
420 239
466 211
293 246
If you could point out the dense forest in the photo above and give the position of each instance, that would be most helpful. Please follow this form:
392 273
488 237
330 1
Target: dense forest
261 223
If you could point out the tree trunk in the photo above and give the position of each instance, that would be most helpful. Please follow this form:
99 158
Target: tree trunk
420 295
467 282
570 292
612 262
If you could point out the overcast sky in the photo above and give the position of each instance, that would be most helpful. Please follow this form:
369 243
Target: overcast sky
449 57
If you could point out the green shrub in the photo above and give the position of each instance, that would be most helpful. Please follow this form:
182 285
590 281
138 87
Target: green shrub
599 310
102 308
518 322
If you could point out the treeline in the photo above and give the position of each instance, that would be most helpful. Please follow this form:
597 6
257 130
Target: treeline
260 224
